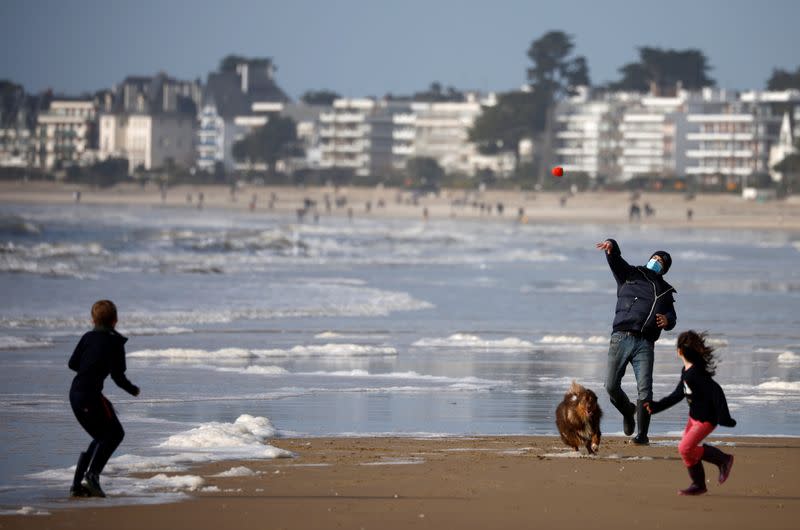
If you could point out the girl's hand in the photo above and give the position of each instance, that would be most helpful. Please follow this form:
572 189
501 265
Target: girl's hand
647 408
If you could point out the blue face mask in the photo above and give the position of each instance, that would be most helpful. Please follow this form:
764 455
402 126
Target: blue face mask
654 265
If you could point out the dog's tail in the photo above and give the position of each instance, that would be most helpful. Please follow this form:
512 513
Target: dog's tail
575 388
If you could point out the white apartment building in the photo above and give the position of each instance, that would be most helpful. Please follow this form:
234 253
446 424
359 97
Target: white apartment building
345 135
391 136
587 137
16 146
148 140
736 141
442 133
212 143
653 137
65 133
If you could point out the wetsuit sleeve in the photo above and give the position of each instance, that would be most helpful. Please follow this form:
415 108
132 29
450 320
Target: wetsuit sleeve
619 267
118 373
75 360
670 400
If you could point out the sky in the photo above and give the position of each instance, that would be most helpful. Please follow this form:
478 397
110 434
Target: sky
370 48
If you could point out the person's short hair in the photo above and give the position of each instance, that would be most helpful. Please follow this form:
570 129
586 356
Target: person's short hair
104 313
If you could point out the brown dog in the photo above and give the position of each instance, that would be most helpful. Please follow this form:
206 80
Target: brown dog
578 418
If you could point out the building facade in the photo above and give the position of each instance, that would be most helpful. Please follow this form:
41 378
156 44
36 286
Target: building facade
150 121
653 138
345 135
587 135
734 141
66 134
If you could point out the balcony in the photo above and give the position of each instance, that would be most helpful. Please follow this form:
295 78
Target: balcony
643 151
719 118
571 134
719 153
579 151
642 135
718 170
405 150
719 136
405 134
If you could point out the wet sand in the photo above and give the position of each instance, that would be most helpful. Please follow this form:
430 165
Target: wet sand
483 482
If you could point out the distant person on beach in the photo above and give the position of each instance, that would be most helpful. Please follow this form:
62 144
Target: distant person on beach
707 409
99 353
645 306
635 212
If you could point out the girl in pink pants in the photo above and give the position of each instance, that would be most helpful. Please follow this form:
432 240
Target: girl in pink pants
707 409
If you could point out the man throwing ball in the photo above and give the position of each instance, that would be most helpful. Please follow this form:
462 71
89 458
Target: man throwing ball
645 306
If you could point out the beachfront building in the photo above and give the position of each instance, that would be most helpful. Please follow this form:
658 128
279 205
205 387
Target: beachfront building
150 121
66 134
736 140
653 137
17 125
236 99
345 135
442 133
587 135
307 118
391 136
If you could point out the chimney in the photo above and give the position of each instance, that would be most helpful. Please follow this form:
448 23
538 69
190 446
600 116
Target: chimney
242 70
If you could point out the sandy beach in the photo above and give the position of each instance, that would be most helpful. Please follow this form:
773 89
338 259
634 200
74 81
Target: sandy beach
709 210
483 482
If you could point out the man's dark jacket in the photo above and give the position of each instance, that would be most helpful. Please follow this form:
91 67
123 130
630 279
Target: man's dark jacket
641 294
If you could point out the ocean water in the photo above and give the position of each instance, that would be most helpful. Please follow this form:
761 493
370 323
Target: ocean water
246 327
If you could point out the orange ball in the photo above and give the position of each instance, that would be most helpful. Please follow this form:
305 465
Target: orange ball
558 171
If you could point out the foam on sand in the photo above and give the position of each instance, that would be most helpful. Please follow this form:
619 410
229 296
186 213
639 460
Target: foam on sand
245 432
238 471
245 438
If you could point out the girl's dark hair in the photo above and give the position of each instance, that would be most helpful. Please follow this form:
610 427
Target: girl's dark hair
695 350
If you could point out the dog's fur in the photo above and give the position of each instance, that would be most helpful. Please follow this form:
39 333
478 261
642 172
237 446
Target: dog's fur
578 418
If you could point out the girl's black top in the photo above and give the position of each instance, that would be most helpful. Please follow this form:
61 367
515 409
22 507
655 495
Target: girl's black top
705 397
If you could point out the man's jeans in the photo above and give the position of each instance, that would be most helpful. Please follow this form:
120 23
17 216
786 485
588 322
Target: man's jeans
637 351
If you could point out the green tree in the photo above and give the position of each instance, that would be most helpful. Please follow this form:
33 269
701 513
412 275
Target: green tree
784 80
274 141
516 115
436 93
789 167
319 97
424 172
554 71
665 68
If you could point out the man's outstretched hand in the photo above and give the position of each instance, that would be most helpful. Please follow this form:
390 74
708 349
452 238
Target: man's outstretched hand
605 245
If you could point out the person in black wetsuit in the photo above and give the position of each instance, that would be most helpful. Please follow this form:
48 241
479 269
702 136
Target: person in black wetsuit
99 353
707 409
